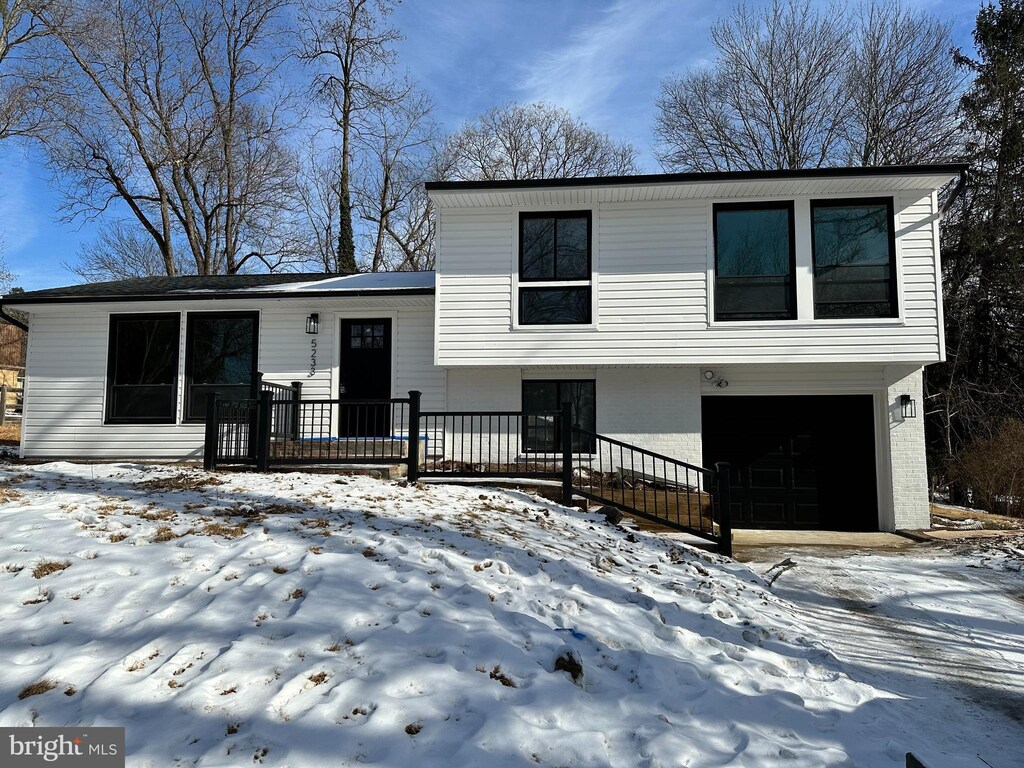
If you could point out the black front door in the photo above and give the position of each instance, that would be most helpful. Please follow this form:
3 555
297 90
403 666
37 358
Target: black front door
795 462
365 375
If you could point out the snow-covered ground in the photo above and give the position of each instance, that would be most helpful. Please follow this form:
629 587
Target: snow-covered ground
303 620
941 627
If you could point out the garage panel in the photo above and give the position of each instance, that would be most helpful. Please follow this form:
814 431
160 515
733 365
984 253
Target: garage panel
795 461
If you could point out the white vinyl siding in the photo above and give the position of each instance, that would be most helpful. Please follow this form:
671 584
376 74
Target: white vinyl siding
652 279
67 366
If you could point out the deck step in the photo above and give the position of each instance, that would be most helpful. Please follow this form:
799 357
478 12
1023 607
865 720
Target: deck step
378 471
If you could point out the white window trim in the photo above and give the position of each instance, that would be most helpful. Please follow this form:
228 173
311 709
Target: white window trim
804 274
594 324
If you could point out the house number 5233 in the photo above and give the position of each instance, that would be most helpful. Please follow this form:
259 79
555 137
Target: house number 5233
312 358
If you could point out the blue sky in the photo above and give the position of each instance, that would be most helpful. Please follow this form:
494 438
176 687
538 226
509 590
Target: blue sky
601 59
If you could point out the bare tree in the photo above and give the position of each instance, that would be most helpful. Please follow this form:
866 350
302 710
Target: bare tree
535 141
121 251
395 140
6 276
903 86
254 173
398 149
174 117
796 86
21 78
320 193
350 44
412 225
773 99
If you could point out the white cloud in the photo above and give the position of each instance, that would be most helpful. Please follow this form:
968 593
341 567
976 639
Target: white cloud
582 75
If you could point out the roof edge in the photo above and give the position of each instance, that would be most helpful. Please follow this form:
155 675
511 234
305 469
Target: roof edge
937 169
27 299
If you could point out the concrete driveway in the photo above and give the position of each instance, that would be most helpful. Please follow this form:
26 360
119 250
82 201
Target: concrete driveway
939 625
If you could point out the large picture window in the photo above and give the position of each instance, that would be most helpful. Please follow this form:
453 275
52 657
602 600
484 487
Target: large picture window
854 258
220 356
142 369
541 433
754 261
555 262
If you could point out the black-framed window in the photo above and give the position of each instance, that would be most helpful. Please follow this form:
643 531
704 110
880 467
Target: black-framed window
755 261
142 368
541 433
220 356
555 255
854 245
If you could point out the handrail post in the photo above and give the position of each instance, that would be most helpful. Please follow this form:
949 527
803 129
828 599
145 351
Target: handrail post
413 472
263 431
296 409
257 384
723 505
566 443
211 434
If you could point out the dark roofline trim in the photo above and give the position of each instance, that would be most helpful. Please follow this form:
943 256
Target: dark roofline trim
199 295
939 169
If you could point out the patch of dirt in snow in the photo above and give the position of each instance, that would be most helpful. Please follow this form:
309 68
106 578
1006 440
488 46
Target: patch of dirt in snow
298 620
1003 552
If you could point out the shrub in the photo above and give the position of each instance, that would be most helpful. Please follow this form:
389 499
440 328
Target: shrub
991 470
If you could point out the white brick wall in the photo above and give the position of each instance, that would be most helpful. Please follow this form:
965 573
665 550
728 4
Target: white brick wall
907 457
656 408
484 389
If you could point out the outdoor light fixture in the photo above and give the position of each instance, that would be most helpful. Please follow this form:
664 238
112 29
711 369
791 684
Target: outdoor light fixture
709 374
908 406
313 323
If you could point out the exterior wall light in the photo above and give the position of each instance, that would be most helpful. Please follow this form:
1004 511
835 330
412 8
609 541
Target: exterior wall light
908 407
313 323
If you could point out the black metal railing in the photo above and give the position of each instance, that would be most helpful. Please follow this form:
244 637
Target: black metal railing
287 430
231 430
285 399
547 444
647 484
340 431
490 444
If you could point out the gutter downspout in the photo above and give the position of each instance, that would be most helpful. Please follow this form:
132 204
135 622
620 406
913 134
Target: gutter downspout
12 320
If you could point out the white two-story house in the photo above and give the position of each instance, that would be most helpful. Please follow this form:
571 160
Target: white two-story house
779 321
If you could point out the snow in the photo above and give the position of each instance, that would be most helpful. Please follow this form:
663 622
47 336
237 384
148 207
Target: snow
367 281
940 628
305 620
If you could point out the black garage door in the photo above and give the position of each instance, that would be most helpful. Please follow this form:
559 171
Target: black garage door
797 462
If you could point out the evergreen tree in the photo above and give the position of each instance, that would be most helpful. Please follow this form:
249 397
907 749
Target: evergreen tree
980 387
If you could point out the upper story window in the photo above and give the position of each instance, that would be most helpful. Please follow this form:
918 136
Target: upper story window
220 356
142 369
554 268
854 258
755 261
